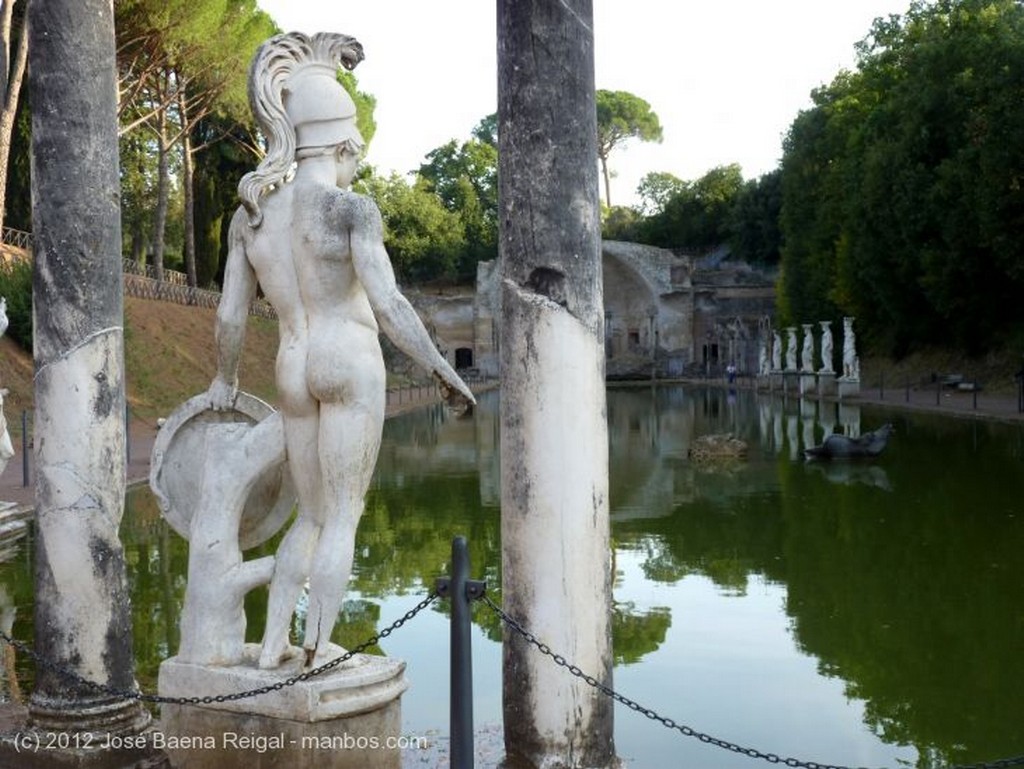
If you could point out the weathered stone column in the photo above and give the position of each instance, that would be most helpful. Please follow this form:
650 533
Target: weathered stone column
554 443
82 614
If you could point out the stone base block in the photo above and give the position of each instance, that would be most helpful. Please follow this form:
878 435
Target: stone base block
346 718
826 384
360 685
807 383
775 380
848 387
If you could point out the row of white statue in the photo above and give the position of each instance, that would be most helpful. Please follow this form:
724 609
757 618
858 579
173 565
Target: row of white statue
770 361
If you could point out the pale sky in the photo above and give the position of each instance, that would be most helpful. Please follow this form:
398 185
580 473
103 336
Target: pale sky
725 77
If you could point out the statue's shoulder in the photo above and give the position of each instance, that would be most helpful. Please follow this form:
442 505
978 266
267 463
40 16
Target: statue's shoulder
356 208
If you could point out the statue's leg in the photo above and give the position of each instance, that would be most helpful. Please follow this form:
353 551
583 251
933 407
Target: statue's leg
349 443
295 554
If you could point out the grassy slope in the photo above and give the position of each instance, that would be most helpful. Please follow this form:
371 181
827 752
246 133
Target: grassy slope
169 357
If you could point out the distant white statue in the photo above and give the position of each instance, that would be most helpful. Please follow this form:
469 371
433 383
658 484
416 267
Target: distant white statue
316 249
851 364
6 447
807 352
763 367
776 351
826 346
791 348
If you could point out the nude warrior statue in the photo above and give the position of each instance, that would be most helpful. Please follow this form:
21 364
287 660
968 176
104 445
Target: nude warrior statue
317 251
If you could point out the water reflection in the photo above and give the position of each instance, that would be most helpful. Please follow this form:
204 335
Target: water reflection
855 609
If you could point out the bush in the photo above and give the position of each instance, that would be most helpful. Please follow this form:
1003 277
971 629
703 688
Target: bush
16 286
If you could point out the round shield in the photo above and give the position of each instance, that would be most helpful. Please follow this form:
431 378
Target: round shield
179 455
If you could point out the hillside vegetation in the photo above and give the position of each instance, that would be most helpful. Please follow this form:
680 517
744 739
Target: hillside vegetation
169 357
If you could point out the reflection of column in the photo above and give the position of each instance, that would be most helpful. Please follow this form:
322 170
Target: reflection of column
807 417
792 435
764 419
777 425
827 418
849 419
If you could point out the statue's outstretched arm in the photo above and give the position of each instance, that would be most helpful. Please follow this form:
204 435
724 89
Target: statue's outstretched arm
232 312
396 316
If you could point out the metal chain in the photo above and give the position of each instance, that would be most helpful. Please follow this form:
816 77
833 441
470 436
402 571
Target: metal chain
130 694
687 731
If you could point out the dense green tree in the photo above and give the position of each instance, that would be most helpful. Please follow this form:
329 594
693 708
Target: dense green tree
698 215
181 63
620 223
901 185
13 58
755 236
422 237
465 179
656 189
621 116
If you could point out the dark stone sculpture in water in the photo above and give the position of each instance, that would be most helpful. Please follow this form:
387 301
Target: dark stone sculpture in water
838 446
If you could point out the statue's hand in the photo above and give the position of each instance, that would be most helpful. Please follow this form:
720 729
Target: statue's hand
455 392
221 394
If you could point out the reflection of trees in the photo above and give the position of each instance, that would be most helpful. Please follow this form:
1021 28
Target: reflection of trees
912 595
636 633
915 599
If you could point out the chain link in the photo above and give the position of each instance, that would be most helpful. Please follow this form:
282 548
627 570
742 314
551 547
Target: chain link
135 694
687 731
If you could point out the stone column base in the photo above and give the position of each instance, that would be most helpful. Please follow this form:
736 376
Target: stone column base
848 387
807 381
346 718
775 380
826 384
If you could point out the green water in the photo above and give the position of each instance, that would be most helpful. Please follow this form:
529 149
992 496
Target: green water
866 614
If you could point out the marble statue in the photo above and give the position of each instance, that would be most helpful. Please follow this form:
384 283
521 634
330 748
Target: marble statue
791 348
851 364
807 352
826 346
316 249
763 368
776 351
6 447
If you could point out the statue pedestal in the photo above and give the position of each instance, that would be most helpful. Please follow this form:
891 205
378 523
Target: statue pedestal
775 380
345 718
848 387
827 384
807 382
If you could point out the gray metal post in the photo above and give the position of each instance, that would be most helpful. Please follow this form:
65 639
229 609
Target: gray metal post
24 449
461 591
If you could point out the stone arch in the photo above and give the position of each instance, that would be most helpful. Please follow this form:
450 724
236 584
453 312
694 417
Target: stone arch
631 309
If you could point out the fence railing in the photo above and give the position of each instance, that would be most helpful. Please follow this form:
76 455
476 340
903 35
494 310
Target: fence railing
17 238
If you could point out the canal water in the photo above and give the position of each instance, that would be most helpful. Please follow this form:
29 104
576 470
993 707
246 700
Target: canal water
863 614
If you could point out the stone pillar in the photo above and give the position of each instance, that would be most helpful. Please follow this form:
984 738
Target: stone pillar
554 449
82 612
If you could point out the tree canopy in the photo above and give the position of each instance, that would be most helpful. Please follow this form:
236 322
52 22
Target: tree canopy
621 116
901 186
